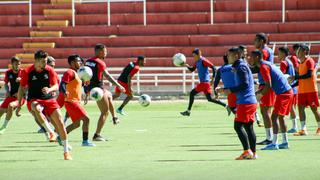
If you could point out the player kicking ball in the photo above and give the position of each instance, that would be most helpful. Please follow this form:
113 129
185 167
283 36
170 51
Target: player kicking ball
125 80
71 87
12 82
246 104
202 65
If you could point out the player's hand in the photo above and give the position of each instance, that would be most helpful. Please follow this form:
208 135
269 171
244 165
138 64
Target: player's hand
18 111
45 90
18 79
85 99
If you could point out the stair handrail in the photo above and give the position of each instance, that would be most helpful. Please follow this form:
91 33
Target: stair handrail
22 2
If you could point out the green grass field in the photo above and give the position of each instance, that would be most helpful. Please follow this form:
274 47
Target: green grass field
155 143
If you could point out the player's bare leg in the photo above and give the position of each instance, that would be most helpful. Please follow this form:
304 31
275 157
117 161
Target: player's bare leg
302 117
293 117
115 119
317 116
3 128
12 106
103 105
266 116
124 103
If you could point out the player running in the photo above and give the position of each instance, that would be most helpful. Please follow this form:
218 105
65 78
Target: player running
275 80
125 80
71 88
307 90
12 82
40 80
99 70
202 65
246 104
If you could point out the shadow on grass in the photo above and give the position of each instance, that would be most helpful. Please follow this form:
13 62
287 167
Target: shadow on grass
213 150
302 139
195 160
29 146
208 145
20 160
203 127
25 150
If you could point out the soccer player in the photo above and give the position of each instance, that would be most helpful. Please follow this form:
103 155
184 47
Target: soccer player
294 59
125 80
246 104
274 79
202 65
287 67
268 99
307 90
226 74
71 88
12 82
40 80
99 70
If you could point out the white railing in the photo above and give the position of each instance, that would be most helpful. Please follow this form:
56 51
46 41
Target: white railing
22 2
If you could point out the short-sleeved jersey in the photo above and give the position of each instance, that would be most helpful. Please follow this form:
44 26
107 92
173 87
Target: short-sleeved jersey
267 55
270 72
97 66
11 79
202 66
287 67
308 85
73 86
294 60
37 80
130 70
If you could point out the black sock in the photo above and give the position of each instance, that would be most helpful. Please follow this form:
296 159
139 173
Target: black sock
191 98
238 127
85 136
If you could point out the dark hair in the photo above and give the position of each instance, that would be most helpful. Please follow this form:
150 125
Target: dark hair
50 59
74 57
285 50
15 59
196 51
256 53
225 59
99 47
140 58
262 36
305 47
40 54
234 50
242 47
296 46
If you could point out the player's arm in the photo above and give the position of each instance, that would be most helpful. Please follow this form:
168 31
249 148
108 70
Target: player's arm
283 67
310 66
53 79
191 68
208 64
112 80
265 73
6 85
216 81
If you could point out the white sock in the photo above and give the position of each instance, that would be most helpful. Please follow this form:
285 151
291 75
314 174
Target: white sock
257 116
303 125
318 124
275 139
65 146
47 127
269 133
284 138
5 123
294 123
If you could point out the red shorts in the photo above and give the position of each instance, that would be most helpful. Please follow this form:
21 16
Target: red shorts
268 99
60 100
204 87
75 110
232 100
9 100
49 105
245 113
295 100
126 87
283 103
308 99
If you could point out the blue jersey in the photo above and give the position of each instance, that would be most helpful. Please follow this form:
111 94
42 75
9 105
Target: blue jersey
291 71
279 83
203 70
228 76
268 55
245 86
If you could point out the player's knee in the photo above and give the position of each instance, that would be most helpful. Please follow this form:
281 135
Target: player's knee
130 96
86 120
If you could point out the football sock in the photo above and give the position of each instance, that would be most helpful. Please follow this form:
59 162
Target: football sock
294 123
47 127
65 146
85 136
275 139
269 133
303 125
5 123
284 138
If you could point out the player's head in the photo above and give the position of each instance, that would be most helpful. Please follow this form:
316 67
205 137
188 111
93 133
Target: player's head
243 51
233 54
75 61
260 40
40 58
100 51
283 52
225 59
51 61
196 53
141 60
303 51
256 57
295 47
15 63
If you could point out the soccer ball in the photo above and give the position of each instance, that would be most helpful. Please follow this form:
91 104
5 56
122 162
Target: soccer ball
85 73
179 59
144 100
96 94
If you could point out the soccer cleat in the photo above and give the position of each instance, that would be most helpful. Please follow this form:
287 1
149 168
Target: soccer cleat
185 113
284 146
301 133
292 130
121 111
67 156
115 120
97 137
264 142
271 147
2 130
88 143
245 155
318 132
